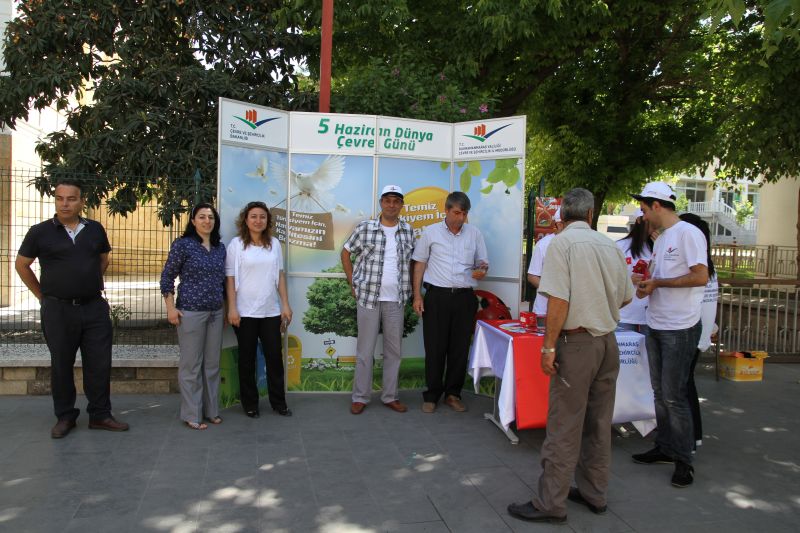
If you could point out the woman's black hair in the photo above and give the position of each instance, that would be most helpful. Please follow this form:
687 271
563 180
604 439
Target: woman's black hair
639 237
702 225
191 231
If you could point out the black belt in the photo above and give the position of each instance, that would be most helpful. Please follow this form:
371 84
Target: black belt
429 287
74 301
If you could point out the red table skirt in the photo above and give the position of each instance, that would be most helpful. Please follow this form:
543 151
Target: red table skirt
532 385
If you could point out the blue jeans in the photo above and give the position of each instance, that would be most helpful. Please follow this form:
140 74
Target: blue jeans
670 353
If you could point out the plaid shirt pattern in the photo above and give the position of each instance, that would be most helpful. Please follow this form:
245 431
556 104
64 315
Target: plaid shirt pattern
367 243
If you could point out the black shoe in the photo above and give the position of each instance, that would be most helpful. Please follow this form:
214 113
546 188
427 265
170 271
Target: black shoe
253 413
653 457
283 411
576 496
62 429
683 475
526 511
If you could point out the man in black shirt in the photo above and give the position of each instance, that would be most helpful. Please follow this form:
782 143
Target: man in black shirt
73 255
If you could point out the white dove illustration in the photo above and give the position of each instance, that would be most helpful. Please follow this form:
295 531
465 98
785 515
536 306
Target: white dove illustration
260 171
273 171
311 191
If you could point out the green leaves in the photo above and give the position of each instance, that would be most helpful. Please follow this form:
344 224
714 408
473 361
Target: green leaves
506 172
157 70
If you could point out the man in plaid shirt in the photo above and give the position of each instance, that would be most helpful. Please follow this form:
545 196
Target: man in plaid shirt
381 285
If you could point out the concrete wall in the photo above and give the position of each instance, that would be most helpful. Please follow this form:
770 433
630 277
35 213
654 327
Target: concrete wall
777 220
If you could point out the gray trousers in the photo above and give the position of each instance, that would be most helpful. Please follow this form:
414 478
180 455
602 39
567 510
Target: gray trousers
390 316
200 342
579 421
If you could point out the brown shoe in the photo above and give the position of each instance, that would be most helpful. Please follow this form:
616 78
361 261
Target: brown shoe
455 404
62 428
396 405
357 408
428 407
109 424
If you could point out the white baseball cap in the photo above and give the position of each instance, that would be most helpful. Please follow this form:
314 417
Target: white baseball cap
392 189
657 190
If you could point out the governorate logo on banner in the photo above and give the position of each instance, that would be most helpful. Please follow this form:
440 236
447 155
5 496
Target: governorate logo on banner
260 126
499 138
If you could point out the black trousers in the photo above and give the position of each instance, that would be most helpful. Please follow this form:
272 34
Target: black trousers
66 328
268 331
447 327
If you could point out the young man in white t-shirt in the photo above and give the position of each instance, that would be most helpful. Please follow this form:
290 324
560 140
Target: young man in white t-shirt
380 281
678 275
536 267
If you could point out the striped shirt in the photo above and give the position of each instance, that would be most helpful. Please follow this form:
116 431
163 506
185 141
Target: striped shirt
368 244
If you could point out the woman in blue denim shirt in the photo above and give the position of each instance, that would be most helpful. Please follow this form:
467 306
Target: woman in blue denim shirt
198 259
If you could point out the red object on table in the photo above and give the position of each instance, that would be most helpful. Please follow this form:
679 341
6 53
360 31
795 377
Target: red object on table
531 384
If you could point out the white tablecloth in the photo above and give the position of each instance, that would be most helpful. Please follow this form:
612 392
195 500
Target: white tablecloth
492 352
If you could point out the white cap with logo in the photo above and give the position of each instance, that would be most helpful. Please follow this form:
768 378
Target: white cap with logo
657 190
392 189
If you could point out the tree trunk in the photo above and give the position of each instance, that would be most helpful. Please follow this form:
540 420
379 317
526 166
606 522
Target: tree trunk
599 198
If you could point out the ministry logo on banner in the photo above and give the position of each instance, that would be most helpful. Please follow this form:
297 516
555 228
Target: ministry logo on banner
263 127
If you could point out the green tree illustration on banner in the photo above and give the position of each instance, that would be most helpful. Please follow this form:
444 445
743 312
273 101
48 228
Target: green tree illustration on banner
505 171
332 308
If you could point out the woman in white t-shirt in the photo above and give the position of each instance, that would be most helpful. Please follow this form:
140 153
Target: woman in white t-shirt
708 317
258 305
636 246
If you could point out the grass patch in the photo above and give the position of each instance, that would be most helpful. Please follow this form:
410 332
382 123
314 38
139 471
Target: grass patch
740 273
329 378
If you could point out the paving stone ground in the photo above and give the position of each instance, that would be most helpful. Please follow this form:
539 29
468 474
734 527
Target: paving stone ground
325 470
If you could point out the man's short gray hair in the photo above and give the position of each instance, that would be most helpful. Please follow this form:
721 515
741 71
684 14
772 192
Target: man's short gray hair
457 198
576 204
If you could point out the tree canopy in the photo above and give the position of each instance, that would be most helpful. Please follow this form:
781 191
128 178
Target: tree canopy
615 92
153 72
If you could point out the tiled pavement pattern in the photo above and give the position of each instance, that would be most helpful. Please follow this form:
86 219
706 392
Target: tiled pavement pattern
325 470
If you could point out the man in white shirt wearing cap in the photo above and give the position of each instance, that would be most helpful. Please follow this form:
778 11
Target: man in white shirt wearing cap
536 267
678 275
381 284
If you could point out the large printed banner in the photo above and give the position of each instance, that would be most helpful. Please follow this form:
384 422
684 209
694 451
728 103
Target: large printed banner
321 174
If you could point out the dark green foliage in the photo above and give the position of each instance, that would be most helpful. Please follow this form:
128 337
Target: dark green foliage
148 75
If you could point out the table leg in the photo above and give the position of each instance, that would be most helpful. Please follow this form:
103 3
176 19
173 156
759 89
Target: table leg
494 416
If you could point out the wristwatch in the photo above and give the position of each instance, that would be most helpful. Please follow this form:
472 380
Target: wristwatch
548 350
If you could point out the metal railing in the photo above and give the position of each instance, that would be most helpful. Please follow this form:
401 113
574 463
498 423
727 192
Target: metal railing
760 314
139 241
720 212
713 206
758 261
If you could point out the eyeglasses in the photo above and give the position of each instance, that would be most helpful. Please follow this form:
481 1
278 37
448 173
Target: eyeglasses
252 205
